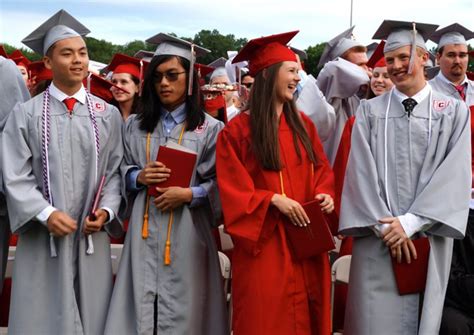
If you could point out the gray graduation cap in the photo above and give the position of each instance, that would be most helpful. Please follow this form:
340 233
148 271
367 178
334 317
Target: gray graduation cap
452 34
401 33
174 46
219 62
301 53
144 54
431 60
371 48
58 27
338 45
432 72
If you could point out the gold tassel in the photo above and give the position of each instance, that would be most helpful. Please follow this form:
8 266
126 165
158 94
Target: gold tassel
168 241
145 219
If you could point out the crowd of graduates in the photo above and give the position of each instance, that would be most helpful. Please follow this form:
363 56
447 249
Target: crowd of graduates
157 150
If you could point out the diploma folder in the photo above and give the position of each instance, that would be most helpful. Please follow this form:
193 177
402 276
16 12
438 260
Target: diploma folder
312 240
180 160
411 278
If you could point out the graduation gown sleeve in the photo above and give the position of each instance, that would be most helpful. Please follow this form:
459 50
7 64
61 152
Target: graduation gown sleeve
245 207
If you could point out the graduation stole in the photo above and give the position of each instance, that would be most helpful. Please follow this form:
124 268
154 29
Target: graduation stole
167 257
45 135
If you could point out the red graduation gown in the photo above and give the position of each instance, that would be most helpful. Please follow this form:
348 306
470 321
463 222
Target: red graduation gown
272 294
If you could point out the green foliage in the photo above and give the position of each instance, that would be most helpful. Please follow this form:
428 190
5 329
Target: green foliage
27 52
314 54
218 44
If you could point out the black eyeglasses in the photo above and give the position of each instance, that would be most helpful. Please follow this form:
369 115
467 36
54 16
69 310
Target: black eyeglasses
248 85
169 75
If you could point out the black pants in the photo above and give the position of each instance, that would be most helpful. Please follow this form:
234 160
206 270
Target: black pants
455 322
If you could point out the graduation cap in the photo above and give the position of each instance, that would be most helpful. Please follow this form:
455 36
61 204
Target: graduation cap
3 52
265 51
452 34
58 27
371 48
220 72
203 70
100 87
173 46
432 72
301 53
39 72
338 45
144 54
402 33
377 59
122 63
219 62
21 61
431 60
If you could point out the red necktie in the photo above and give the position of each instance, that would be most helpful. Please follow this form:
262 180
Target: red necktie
70 102
460 89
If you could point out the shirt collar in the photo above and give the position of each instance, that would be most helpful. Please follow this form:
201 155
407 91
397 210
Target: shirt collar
178 115
418 97
447 81
60 95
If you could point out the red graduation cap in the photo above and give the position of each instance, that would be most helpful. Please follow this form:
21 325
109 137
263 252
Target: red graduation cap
203 70
3 52
19 58
122 63
377 59
39 72
265 51
100 87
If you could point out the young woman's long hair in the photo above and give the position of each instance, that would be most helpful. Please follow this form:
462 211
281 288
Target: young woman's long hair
264 122
149 111
136 98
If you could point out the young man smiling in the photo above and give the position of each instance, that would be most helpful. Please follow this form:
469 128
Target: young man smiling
399 186
56 148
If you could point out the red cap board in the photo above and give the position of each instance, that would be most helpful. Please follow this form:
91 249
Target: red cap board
39 72
122 63
377 59
100 87
265 51
203 70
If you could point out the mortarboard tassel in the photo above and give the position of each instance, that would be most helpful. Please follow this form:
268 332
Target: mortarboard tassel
52 246
167 259
90 245
140 86
191 70
413 50
145 219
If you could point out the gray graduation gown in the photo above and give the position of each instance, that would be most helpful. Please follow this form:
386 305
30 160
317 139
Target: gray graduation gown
432 181
440 85
311 101
12 91
190 298
68 294
339 81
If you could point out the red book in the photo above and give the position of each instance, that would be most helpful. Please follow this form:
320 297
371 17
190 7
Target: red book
312 240
411 278
180 160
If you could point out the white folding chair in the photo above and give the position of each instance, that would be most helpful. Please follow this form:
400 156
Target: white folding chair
339 274
115 254
226 240
226 272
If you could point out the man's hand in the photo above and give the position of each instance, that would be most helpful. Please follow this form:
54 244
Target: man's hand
394 236
94 224
153 173
407 249
172 197
61 224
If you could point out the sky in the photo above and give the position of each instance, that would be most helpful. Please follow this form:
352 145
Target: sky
119 21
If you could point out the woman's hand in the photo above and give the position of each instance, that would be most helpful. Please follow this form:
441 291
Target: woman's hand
292 209
153 173
326 202
172 197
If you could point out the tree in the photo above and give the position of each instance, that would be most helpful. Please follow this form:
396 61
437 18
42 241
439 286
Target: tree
218 44
314 54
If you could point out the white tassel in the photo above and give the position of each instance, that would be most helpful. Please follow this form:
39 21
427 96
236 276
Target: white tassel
52 247
90 245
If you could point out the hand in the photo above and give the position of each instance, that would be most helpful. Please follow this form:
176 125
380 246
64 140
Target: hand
172 197
153 173
326 202
394 235
340 237
292 209
407 249
61 224
94 224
